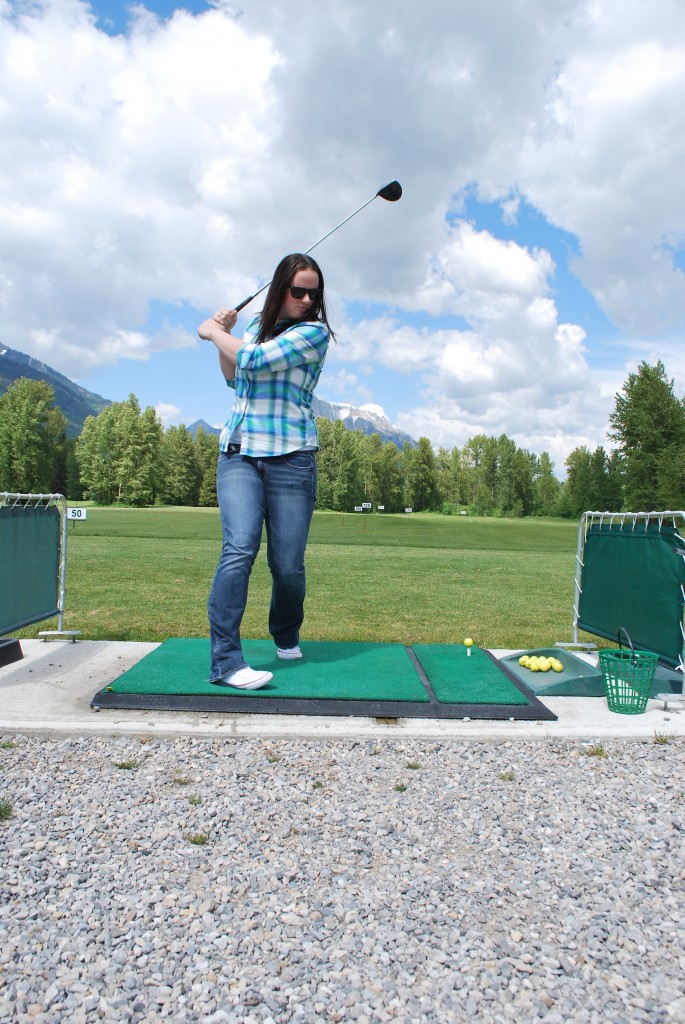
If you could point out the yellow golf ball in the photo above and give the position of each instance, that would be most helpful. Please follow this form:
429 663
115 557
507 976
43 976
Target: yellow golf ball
468 642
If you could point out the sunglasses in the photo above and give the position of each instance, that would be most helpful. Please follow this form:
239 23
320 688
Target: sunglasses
299 293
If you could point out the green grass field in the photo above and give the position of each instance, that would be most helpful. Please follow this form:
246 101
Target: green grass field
145 575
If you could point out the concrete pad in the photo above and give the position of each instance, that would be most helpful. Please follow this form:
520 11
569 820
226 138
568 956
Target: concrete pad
50 690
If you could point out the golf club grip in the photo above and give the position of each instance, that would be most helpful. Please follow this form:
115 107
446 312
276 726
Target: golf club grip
243 303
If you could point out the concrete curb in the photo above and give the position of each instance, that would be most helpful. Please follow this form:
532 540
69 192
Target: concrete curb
50 689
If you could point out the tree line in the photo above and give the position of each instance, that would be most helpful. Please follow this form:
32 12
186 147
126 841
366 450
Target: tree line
124 455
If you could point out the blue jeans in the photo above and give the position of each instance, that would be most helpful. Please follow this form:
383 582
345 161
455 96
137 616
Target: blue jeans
279 491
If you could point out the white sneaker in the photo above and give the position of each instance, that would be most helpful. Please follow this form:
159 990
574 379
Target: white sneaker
289 653
245 679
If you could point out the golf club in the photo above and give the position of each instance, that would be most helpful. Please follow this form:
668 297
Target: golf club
391 192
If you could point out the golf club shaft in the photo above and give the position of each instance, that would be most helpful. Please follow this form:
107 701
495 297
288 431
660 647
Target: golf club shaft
322 239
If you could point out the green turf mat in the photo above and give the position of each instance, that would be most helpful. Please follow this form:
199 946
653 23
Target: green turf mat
457 678
332 671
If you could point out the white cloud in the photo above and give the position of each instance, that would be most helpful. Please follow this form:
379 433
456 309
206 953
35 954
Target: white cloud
607 163
514 369
170 415
510 209
474 272
346 387
118 165
172 167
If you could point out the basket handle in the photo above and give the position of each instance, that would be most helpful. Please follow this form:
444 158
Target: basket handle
620 630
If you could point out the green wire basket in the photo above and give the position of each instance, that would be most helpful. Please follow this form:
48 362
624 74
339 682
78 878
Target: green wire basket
628 677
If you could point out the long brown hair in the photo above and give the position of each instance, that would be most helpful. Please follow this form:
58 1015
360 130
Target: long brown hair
283 275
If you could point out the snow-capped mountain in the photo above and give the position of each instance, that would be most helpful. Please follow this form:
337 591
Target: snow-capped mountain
369 419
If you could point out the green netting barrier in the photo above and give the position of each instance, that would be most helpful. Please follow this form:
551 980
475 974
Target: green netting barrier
29 565
632 578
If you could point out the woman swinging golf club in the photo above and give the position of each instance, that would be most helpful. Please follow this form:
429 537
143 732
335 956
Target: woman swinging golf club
266 472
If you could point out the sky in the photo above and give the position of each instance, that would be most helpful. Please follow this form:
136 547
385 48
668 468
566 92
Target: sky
157 161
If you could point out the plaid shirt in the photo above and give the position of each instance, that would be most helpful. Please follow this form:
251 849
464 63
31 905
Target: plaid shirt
274 385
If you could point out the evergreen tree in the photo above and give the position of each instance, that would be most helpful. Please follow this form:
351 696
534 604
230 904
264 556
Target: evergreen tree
406 470
74 489
671 478
135 453
648 422
525 468
368 446
443 467
605 496
473 457
489 469
206 455
506 468
128 444
340 486
615 482
423 477
388 477
180 472
450 479
118 454
594 481
325 464
152 432
546 486
95 459
348 486
33 440
457 491
579 481
564 507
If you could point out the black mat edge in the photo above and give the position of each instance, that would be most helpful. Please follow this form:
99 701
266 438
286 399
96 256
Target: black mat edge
10 651
228 702
535 711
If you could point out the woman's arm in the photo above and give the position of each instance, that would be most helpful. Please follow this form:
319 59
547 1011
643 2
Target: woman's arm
304 342
227 366
217 329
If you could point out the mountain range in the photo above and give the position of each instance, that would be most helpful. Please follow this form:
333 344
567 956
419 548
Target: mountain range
76 403
370 419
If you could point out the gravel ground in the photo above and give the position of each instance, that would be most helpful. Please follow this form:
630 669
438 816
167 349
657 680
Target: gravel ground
341 881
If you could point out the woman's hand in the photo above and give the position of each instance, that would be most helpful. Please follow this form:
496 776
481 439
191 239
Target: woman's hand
206 328
226 320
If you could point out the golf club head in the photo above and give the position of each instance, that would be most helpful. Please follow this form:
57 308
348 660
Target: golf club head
391 192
